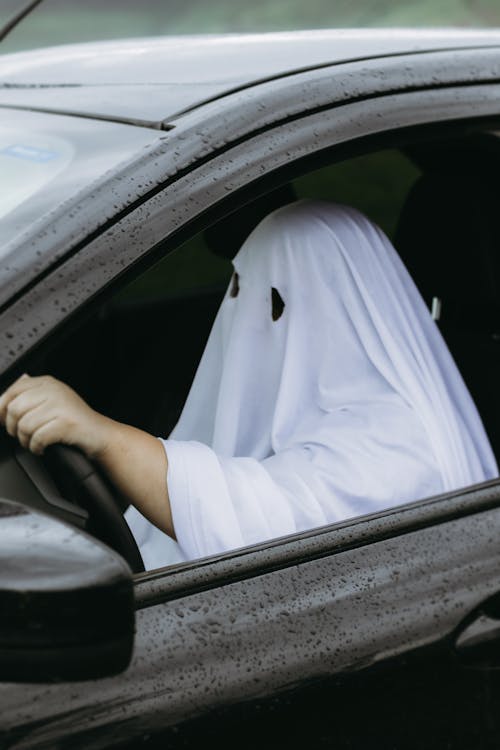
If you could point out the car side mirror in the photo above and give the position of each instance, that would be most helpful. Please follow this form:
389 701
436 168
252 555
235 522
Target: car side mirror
66 601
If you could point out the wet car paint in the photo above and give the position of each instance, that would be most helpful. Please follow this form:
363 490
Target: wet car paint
240 641
149 81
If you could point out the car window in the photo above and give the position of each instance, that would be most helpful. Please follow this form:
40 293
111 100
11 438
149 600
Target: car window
137 359
191 269
375 184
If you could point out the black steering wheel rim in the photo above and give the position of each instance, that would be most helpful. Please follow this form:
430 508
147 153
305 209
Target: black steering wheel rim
81 482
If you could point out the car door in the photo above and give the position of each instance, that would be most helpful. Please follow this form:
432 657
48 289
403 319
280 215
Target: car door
380 630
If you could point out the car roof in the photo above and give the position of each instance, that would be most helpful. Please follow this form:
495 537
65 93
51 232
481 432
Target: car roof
149 80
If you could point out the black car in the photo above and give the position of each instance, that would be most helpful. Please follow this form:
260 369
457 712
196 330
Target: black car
130 172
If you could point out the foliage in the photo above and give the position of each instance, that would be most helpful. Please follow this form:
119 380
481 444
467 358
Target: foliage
60 21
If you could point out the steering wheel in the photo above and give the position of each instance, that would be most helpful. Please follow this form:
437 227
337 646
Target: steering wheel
80 482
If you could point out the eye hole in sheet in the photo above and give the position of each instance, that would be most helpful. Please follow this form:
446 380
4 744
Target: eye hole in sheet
277 304
235 286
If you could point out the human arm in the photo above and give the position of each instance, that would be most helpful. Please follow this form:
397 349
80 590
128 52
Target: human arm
40 411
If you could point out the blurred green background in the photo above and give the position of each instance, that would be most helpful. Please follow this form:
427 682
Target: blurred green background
61 21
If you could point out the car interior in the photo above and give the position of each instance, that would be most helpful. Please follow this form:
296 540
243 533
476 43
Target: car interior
448 237
135 357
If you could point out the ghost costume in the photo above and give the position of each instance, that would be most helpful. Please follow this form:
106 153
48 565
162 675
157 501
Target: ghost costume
346 404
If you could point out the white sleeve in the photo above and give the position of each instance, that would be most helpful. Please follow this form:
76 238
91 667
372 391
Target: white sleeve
222 503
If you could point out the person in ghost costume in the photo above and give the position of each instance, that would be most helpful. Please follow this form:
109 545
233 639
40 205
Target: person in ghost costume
325 391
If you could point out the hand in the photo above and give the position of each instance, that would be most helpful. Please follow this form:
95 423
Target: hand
41 411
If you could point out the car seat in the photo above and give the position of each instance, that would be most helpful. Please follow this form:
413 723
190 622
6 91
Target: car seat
448 236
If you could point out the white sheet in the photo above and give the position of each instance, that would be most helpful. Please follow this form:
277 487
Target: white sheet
347 404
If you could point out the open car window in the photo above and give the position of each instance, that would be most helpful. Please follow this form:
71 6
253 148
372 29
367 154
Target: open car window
376 184
136 360
170 308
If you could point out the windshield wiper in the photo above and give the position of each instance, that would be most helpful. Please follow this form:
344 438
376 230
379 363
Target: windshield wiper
17 18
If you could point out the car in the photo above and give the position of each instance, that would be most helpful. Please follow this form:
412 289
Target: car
122 164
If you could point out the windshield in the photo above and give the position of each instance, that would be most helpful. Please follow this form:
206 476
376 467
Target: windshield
45 159
65 21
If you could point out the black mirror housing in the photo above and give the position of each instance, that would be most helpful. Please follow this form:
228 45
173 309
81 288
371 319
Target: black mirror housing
66 601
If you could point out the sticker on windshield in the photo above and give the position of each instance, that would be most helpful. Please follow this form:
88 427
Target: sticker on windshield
29 161
29 153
